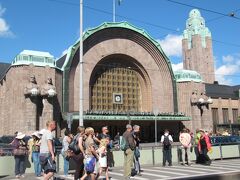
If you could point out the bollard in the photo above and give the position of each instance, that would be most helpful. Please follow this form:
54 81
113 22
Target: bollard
153 155
220 148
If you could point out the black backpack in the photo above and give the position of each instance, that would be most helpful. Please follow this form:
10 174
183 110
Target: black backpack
74 145
166 142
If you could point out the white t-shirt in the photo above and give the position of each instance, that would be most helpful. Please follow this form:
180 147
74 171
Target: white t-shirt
169 136
44 141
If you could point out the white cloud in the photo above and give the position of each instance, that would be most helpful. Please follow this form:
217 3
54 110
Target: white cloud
228 58
4 27
178 66
225 73
2 10
172 45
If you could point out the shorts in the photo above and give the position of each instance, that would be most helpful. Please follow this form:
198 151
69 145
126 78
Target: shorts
48 165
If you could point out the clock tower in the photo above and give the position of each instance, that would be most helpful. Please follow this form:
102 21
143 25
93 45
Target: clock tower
197 47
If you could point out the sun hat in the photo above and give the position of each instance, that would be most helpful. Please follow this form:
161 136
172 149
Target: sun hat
36 133
20 135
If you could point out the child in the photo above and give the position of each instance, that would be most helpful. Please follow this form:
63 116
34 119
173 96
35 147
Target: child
102 151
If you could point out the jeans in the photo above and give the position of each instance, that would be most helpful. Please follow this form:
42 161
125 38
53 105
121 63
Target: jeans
128 162
65 166
167 156
185 155
19 165
137 164
36 162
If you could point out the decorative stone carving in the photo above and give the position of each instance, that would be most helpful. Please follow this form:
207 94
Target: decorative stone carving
194 98
48 90
32 89
31 92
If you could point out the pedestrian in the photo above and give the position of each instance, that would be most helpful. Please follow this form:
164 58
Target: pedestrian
65 151
34 149
102 153
105 135
196 141
47 157
136 134
129 148
204 146
185 140
20 152
90 154
78 158
167 140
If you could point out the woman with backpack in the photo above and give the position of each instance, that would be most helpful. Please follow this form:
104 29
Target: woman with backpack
166 141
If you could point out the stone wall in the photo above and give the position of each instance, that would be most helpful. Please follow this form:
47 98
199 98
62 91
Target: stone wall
199 58
201 115
18 112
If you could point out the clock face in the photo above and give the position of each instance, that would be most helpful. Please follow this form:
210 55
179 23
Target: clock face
117 98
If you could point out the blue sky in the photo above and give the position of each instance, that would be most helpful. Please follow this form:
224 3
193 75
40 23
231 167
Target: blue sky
53 25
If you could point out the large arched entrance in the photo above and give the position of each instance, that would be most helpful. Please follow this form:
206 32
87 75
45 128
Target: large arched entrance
118 83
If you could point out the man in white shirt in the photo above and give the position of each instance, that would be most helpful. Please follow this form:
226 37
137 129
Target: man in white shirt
166 141
47 157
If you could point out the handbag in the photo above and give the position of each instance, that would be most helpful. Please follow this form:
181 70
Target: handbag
21 151
74 145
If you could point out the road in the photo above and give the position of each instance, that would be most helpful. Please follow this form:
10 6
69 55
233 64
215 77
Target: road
225 169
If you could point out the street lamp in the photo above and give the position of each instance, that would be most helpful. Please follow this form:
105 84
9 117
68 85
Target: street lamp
155 112
34 92
51 93
81 66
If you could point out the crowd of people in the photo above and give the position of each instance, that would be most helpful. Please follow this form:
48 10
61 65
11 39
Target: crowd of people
92 152
200 143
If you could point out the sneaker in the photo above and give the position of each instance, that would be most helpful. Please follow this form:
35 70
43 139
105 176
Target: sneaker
139 174
17 176
22 176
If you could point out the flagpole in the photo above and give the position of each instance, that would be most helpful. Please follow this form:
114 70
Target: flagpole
81 66
114 10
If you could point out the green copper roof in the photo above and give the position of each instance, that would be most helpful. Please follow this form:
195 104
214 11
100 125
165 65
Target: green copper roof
72 49
38 58
187 75
125 25
196 25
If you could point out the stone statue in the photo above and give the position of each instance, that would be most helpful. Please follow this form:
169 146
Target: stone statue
194 98
32 89
48 90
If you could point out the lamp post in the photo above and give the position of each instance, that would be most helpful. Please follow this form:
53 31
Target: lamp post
114 10
155 112
81 66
